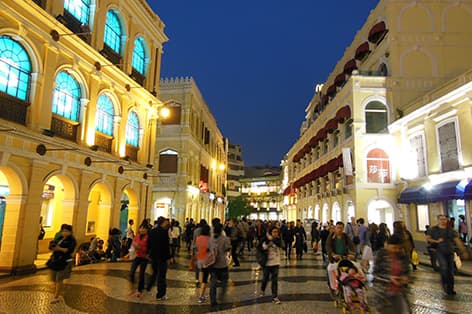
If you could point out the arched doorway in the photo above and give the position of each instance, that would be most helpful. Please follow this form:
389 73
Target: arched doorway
11 189
336 212
324 214
317 212
379 211
162 207
57 206
99 212
128 209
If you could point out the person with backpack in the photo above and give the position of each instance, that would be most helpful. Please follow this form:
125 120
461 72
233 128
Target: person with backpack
273 245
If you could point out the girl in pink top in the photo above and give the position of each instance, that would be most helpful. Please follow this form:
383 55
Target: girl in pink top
140 247
202 252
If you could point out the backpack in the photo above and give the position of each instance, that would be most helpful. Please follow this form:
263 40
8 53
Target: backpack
261 254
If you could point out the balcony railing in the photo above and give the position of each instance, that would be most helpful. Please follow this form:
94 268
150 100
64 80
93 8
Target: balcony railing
77 27
13 109
104 142
111 55
65 129
132 152
41 3
167 179
138 77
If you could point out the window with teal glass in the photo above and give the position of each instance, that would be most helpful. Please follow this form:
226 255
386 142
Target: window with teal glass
113 32
132 129
15 69
80 9
66 98
139 56
104 115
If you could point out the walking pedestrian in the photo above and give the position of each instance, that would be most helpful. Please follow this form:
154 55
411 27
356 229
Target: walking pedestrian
219 244
391 278
445 238
201 245
61 260
140 245
273 244
159 253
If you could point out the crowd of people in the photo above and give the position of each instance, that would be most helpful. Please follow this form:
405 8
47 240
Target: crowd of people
386 254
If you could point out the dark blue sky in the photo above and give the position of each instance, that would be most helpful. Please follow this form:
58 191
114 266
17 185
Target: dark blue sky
256 62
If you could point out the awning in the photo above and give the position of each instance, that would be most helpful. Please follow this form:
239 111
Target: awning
468 191
331 125
343 113
350 66
446 191
377 32
362 51
340 79
417 195
331 90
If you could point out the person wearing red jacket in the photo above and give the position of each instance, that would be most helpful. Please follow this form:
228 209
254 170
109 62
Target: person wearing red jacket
140 248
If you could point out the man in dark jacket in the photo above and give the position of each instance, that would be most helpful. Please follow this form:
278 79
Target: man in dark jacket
159 253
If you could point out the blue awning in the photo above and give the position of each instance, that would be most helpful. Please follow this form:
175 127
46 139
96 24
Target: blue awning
417 195
468 191
451 190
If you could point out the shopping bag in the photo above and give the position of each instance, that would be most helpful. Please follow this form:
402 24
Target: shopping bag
315 246
415 260
458 261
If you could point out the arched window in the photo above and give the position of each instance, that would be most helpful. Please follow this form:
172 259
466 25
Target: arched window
66 98
139 55
104 115
113 32
80 9
378 166
132 129
376 117
15 69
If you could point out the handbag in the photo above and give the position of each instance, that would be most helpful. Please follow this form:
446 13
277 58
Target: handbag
57 262
457 260
315 246
210 259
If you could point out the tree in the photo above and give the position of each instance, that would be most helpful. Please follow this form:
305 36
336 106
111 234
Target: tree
238 207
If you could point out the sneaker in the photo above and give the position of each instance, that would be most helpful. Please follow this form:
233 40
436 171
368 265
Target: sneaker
276 301
261 294
163 298
55 300
201 300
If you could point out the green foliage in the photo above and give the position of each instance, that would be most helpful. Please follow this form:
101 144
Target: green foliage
239 207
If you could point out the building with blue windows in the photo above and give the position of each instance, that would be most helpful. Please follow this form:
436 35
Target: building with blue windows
78 118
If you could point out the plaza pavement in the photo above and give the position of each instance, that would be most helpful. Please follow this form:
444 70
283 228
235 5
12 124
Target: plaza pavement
104 288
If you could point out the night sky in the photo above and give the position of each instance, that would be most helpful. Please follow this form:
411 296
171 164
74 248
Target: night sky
257 62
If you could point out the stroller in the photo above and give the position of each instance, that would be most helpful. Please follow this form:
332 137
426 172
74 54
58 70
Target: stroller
350 290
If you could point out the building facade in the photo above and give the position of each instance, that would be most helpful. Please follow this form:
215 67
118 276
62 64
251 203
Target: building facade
235 171
436 156
192 156
261 188
77 114
345 162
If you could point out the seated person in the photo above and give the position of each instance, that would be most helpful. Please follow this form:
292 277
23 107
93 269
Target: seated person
353 280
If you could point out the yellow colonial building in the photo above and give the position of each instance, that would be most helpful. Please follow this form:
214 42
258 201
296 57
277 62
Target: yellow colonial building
191 154
78 117
346 161
435 155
